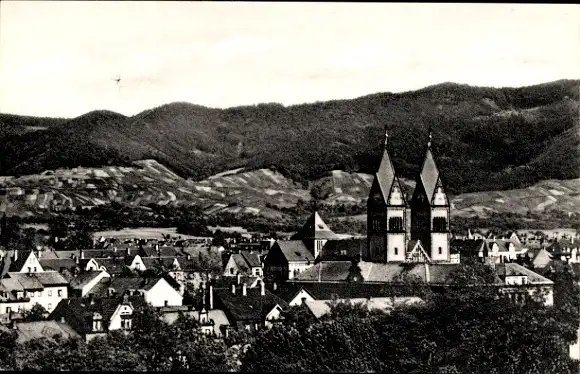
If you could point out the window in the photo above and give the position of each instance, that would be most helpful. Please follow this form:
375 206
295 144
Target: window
440 250
39 293
166 302
343 252
439 224
248 327
59 293
35 269
49 293
8 310
49 306
29 269
396 224
232 271
396 251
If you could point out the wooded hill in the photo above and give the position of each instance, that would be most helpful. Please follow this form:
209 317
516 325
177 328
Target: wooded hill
484 138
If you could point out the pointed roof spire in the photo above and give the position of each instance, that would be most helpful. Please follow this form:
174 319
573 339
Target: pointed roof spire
385 175
315 228
429 175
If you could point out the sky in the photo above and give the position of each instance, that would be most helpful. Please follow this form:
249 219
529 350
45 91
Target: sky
61 58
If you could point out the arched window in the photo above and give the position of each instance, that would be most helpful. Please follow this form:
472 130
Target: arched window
396 224
439 224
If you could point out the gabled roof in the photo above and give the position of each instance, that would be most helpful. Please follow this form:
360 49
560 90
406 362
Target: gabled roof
51 278
542 259
113 265
44 329
429 175
82 279
513 269
472 246
27 281
123 284
322 307
294 250
314 228
252 259
253 306
57 263
338 271
326 291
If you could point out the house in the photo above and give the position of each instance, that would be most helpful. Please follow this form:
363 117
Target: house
47 329
542 259
91 317
249 308
287 259
20 291
565 249
156 291
19 262
81 283
511 277
248 263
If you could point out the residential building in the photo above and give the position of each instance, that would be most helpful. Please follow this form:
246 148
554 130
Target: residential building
247 263
156 291
249 308
20 291
287 259
93 316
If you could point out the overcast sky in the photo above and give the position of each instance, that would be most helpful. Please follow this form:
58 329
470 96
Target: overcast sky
59 58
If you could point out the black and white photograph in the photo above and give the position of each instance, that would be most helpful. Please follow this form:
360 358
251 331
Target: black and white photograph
216 186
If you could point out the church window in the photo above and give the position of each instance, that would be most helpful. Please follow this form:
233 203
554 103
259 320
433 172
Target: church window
396 251
439 224
396 224
440 250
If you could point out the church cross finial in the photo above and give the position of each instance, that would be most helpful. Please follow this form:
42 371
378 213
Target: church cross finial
430 137
386 137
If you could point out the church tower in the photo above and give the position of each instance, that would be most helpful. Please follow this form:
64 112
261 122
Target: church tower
386 223
430 210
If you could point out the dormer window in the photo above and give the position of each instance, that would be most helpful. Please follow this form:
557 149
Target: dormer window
97 322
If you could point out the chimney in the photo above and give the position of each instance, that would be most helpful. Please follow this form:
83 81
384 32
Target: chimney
62 320
15 254
239 278
233 289
91 299
82 254
188 257
125 299
210 297
274 286
262 289
40 252
427 273
128 251
244 291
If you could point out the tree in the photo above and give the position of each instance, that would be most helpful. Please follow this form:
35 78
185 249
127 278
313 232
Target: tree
36 313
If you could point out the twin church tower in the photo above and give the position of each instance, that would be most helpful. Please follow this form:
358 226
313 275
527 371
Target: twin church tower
400 231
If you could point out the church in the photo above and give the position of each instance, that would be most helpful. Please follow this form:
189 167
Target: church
407 231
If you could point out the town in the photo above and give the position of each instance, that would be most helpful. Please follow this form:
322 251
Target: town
247 284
